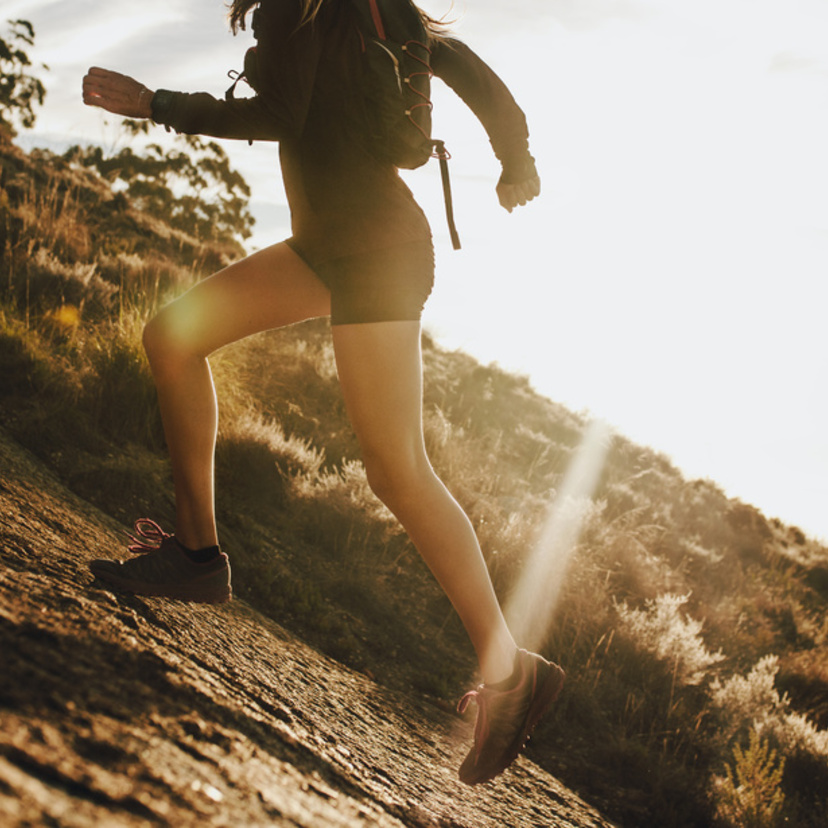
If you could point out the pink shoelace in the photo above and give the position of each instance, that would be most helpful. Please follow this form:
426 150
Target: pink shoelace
148 537
483 695
481 727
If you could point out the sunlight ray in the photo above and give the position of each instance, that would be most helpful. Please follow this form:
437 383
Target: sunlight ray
532 602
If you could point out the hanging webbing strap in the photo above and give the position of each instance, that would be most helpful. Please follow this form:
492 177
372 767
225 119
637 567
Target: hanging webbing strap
441 153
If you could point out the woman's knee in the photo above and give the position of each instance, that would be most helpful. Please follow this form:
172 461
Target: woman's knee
397 479
164 342
154 338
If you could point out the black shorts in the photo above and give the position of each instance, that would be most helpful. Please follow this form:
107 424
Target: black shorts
378 286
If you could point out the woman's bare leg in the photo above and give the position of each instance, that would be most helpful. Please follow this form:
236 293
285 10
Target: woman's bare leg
380 369
268 289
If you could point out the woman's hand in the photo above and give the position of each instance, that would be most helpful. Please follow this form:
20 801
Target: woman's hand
512 195
117 93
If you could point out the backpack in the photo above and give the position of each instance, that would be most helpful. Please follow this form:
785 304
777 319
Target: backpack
397 77
397 74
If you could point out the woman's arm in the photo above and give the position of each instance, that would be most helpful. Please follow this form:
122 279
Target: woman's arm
505 124
287 67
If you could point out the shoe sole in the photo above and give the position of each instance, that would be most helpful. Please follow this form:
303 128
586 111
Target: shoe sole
193 595
545 697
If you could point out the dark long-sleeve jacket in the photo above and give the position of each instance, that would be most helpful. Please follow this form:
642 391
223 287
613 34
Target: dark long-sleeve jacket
342 199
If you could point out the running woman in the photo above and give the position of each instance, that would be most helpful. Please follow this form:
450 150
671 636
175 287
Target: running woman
360 252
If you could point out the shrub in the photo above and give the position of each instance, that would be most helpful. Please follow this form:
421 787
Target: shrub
256 461
663 630
749 795
753 704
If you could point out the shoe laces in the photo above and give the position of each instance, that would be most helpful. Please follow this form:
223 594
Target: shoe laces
148 537
502 721
481 727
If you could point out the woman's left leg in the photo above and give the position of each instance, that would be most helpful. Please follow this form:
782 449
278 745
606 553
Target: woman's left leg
380 370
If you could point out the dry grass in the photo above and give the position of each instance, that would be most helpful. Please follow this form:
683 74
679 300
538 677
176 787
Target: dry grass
663 691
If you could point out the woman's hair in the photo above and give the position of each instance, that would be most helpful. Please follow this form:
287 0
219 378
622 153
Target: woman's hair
310 8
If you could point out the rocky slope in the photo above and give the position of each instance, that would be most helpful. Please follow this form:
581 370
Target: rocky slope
123 711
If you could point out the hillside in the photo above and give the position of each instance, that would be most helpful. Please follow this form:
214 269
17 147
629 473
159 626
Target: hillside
123 711
692 627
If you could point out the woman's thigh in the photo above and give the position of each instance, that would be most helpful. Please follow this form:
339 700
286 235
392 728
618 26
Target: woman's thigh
380 371
268 289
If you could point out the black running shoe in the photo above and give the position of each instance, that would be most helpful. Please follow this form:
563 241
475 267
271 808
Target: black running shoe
162 567
506 717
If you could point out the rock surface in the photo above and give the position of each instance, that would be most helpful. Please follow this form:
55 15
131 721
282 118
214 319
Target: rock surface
125 711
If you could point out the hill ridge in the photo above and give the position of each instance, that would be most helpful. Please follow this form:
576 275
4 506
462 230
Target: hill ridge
688 622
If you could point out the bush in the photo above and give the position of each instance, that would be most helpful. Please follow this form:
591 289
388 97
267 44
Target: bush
663 630
749 795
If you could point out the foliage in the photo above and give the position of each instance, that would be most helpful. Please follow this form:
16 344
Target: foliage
191 187
67 239
750 795
661 629
20 91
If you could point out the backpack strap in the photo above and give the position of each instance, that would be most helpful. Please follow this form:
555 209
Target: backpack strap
372 22
250 72
441 153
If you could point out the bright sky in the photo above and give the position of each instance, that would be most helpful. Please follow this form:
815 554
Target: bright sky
672 277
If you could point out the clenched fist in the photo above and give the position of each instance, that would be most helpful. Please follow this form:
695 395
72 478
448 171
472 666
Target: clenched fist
512 195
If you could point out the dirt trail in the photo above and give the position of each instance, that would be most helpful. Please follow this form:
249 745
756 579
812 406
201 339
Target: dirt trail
124 711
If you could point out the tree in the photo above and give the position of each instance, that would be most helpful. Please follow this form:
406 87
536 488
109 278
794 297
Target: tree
20 91
191 186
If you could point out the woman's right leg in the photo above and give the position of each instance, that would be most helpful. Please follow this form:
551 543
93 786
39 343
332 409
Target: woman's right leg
269 289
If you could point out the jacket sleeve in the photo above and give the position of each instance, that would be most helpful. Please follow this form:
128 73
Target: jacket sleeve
491 102
287 58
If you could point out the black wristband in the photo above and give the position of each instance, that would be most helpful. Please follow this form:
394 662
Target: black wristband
161 104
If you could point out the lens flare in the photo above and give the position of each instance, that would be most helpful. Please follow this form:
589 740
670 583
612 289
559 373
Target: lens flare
532 602
66 317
